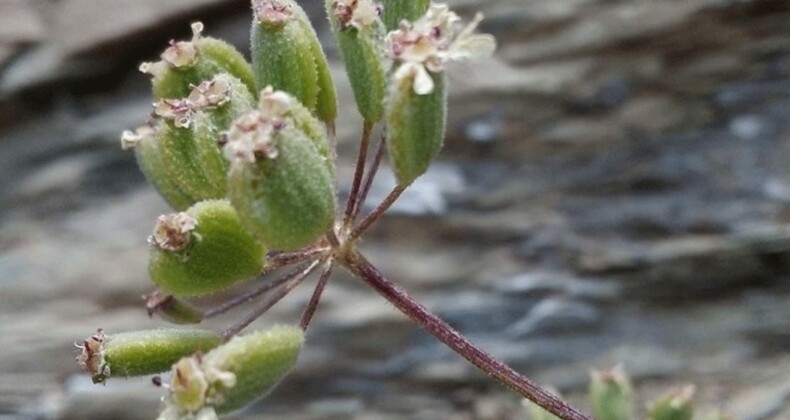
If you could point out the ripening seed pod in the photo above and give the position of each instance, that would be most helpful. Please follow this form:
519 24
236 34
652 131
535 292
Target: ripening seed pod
185 64
172 309
417 104
415 127
140 352
397 10
202 250
303 120
146 149
676 405
536 412
611 395
360 36
287 55
233 375
190 129
280 183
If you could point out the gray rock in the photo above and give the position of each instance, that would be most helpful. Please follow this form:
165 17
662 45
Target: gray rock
557 316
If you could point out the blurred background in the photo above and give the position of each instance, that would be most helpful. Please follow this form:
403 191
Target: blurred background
615 188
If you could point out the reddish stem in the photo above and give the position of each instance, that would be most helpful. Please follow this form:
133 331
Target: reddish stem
363 269
371 175
315 299
283 291
252 294
377 212
353 195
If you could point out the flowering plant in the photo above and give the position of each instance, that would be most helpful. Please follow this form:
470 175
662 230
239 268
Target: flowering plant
245 154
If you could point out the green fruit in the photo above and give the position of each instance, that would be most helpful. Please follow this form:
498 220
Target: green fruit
362 47
282 52
287 199
676 405
415 127
149 159
611 395
203 250
140 352
232 375
185 64
394 11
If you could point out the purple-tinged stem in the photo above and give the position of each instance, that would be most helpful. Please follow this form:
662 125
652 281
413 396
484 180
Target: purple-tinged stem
315 299
282 259
281 293
371 175
377 212
440 329
252 294
359 171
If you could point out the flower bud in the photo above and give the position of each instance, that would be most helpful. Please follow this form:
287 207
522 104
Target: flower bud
397 10
415 127
287 55
611 395
360 36
202 250
172 309
140 352
676 405
185 64
233 375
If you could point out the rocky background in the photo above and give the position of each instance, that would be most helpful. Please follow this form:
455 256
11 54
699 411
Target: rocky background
615 189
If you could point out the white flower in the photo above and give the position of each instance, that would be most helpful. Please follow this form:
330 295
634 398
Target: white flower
360 14
172 231
433 40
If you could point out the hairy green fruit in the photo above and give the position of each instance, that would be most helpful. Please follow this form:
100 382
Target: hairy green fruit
611 395
397 10
149 159
676 405
286 199
287 55
415 127
360 36
203 250
234 374
140 352
187 63
172 309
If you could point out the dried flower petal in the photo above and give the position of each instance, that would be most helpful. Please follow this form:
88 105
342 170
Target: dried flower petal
272 12
130 139
91 358
172 231
360 14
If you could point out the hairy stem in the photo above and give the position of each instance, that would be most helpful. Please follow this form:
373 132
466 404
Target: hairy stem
282 259
294 279
252 294
377 212
371 175
353 195
315 299
363 269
